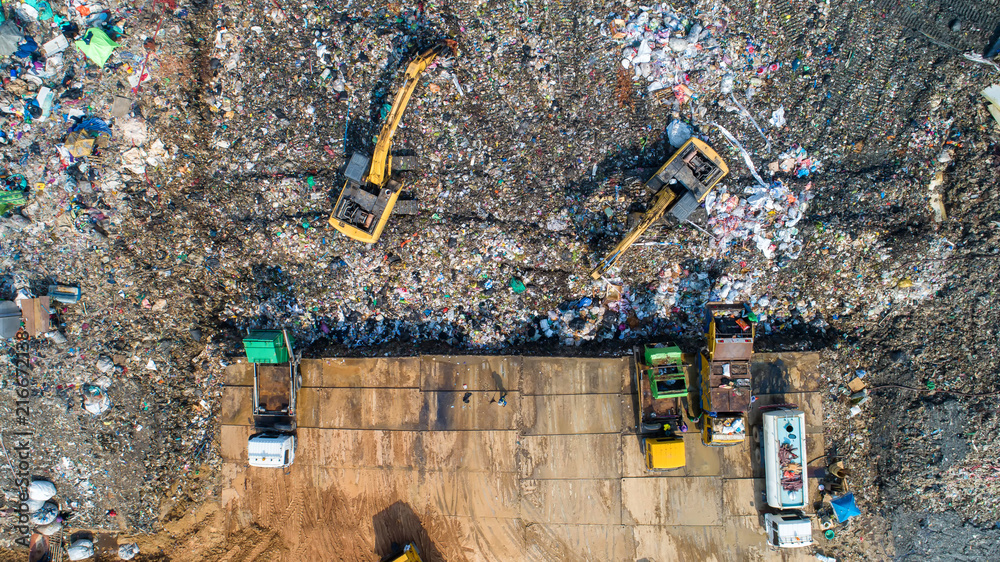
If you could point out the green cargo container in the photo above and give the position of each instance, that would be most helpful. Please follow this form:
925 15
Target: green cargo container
266 346
661 354
665 370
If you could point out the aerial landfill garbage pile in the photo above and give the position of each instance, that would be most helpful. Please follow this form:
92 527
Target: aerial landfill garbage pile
169 169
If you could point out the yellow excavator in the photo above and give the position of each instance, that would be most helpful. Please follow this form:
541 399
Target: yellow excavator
370 193
679 186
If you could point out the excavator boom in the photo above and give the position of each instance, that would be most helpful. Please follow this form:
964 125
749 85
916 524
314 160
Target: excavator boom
662 201
680 185
380 169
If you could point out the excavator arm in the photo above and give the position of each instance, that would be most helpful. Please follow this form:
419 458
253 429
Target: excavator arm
661 203
693 171
380 167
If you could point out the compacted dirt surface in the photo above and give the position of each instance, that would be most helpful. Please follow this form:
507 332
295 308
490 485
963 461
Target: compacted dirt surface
860 220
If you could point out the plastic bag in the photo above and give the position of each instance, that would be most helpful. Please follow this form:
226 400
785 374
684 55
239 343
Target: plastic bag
678 133
46 514
128 551
80 550
50 529
41 490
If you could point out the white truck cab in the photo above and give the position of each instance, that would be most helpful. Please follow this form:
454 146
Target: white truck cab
788 530
271 450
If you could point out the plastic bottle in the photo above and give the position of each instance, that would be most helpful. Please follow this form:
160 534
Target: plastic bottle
44 98
728 82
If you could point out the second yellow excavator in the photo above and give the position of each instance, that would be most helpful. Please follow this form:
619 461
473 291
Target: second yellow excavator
680 186
370 193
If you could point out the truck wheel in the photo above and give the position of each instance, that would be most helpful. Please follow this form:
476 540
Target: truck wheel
286 427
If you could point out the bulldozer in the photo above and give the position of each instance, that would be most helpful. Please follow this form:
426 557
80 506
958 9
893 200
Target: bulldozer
371 193
679 186
724 366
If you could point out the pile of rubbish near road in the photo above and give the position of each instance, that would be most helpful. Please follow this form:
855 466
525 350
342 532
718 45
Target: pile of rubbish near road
49 522
528 171
671 49
65 143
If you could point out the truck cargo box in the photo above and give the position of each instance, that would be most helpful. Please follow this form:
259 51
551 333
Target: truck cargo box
783 454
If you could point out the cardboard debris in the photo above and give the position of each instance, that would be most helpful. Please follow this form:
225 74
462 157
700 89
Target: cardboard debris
120 107
856 384
81 144
36 315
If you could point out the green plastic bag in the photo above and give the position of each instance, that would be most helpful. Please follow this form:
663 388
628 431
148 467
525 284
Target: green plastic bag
96 45
44 10
517 285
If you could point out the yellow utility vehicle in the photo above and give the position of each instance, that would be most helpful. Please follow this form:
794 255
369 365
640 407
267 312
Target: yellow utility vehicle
662 383
679 186
409 554
370 193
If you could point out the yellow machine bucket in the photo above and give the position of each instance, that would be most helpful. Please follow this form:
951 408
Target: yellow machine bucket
664 453
409 554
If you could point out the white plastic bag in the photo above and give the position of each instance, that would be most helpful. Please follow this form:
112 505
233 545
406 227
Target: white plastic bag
41 490
50 529
46 514
80 550
678 133
128 551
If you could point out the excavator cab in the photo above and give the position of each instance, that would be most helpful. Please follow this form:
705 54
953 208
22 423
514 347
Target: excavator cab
691 173
363 208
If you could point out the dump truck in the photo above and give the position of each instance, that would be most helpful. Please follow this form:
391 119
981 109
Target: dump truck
276 381
679 186
725 372
783 458
371 192
662 384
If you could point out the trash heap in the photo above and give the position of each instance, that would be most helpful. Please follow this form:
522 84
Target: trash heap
671 49
177 163
767 216
48 520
